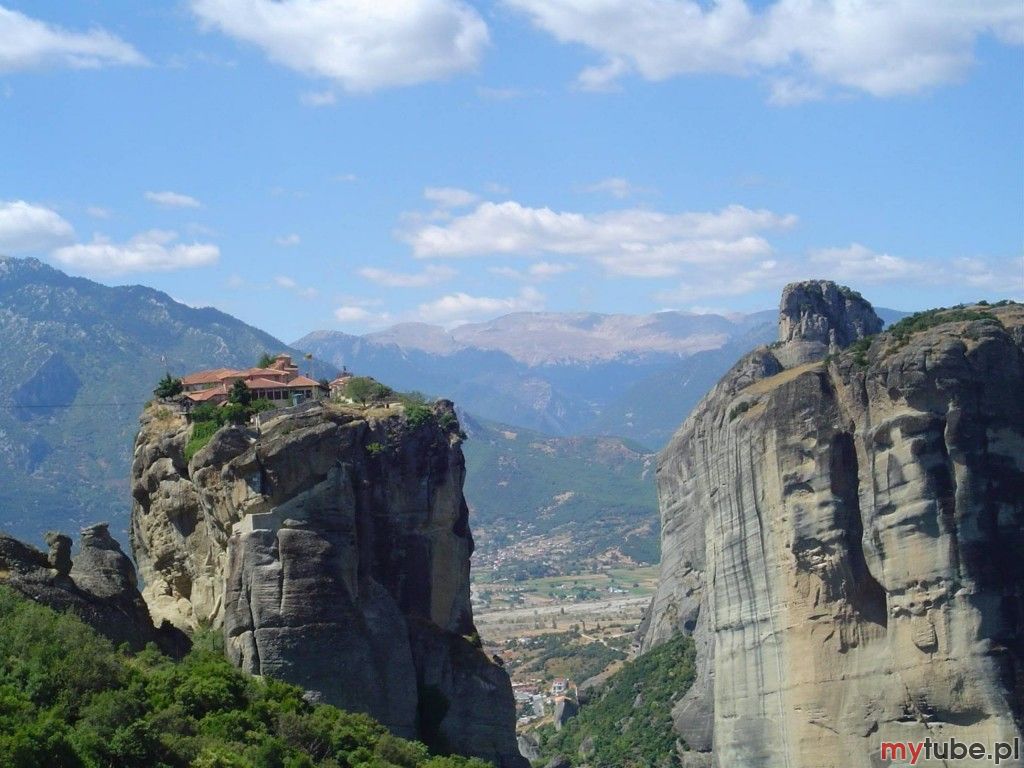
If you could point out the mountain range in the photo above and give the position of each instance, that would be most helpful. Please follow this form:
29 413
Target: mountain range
563 374
587 397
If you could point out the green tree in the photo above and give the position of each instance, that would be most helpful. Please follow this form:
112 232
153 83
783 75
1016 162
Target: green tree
360 389
168 387
380 392
240 393
266 360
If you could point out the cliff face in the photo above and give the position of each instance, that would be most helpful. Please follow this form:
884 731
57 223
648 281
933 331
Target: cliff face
844 538
333 549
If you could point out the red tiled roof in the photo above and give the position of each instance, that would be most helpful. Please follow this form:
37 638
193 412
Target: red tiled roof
263 372
264 384
207 394
342 379
205 377
302 381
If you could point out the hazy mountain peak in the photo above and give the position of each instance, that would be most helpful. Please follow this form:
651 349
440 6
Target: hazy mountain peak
421 336
538 338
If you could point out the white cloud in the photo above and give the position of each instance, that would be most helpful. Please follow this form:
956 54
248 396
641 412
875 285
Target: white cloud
285 282
457 308
634 242
716 280
431 275
546 269
603 77
362 45
803 47
152 251
26 228
615 186
449 197
172 200
488 93
540 271
288 241
353 314
318 98
857 263
98 212
289 284
346 177
27 43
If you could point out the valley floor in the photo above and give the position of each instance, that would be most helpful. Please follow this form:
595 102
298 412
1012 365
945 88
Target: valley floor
574 628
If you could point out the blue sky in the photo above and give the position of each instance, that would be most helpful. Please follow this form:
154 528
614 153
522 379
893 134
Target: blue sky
349 164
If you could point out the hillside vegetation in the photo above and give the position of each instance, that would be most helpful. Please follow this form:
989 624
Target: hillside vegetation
69 699
628 721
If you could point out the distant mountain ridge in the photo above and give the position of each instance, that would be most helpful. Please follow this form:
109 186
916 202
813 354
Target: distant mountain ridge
78 360
631 376
564 374
553 338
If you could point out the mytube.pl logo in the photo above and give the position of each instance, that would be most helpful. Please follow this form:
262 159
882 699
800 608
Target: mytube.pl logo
911 752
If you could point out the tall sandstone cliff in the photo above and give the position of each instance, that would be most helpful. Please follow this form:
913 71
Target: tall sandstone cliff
843 536
332 547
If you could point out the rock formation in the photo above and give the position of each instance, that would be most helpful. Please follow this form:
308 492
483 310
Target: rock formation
332 547
843 536
98 586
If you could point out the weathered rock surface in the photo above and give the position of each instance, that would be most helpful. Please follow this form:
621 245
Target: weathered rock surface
98 586
844 538
333 549
565 710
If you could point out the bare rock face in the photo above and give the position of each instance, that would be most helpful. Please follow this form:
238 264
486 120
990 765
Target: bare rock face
98 586
818 317
844 539
332 547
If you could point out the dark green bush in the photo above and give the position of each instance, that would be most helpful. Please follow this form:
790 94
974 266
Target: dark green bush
448 421
419 415
739 410
922 321
859 350
168 387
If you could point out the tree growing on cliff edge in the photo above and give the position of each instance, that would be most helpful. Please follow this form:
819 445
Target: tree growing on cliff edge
168 387
363 390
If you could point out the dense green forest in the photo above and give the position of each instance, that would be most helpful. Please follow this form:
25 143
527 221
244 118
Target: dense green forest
628 722
68 698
